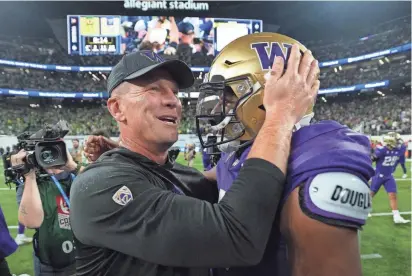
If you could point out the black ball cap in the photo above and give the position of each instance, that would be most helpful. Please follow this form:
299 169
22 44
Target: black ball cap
136 64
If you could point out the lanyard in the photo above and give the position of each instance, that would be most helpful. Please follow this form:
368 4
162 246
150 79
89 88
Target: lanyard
59 187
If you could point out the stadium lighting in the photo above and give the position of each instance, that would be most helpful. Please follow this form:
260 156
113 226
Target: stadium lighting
387 59
381 62
323 99
340 68
336 70
408 61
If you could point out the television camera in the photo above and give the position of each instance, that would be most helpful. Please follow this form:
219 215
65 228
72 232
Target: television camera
45 149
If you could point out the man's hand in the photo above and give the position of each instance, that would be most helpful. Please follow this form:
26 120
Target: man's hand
96 146
18 159
291 93
70 165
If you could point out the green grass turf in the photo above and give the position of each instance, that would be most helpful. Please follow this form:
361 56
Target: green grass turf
380 235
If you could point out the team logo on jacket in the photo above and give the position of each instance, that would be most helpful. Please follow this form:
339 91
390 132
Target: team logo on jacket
63 213
123 196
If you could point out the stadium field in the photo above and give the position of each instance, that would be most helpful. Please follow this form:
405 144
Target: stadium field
386 248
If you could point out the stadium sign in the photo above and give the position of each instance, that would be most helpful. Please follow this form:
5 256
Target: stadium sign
188 5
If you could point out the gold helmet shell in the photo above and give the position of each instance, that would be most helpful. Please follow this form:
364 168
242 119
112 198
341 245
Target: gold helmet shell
242 65
389 141
395 135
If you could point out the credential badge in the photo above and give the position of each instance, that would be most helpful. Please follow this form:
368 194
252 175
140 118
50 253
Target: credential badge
123 196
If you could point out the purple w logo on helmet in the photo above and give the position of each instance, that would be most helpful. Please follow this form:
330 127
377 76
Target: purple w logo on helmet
266 57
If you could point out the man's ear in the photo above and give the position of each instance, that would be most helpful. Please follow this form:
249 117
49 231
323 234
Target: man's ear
114 106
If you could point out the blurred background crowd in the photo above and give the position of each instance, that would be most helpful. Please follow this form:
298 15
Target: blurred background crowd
378 110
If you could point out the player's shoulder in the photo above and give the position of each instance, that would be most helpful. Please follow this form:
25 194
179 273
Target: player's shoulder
331 130
328 144
324 154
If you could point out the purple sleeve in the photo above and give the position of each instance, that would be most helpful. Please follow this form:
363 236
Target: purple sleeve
326 148
378 153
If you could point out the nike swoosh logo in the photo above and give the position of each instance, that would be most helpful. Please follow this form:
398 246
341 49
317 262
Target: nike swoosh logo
230 63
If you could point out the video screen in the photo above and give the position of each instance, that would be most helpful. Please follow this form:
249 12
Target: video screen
117 35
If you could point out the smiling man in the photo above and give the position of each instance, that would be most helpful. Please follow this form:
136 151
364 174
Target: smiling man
133 212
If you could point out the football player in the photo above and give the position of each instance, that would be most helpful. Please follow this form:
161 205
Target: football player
326 199
386 158
402 149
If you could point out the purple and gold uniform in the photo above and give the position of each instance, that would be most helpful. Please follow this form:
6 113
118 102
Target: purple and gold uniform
331 166
386 161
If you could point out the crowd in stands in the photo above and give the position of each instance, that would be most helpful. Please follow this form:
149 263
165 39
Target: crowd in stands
392 112
362 73
49 51
378 115
381 37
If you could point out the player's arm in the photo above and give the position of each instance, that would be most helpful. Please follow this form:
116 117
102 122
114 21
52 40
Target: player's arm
377 154
165 228
320 230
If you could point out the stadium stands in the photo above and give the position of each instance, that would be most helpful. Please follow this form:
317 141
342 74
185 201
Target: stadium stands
378 113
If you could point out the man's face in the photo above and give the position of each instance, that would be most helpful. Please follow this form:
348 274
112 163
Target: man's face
75 144
151 109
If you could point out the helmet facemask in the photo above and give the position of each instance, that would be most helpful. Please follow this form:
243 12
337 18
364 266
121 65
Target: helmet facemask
216 120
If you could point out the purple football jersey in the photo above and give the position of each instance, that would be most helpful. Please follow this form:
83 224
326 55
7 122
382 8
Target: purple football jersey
228 168
387 160
323 147
7 243
274 261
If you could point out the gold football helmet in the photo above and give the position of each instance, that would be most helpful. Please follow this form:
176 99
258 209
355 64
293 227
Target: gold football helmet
230 104
389 141
397 137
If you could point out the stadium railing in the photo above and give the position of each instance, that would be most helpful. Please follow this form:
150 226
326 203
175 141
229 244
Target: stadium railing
104 95
68 68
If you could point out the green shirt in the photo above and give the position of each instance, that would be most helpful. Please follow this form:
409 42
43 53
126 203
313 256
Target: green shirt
53 241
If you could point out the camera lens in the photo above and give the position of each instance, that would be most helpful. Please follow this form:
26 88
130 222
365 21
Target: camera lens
49 155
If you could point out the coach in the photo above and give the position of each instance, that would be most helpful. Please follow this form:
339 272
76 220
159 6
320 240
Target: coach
131 215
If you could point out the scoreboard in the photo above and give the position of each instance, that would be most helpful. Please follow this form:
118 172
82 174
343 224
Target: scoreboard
94 35
117 35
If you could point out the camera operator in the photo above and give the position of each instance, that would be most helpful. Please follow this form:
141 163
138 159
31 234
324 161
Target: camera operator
45 208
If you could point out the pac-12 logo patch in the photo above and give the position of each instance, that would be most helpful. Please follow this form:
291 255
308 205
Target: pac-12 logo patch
123 196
